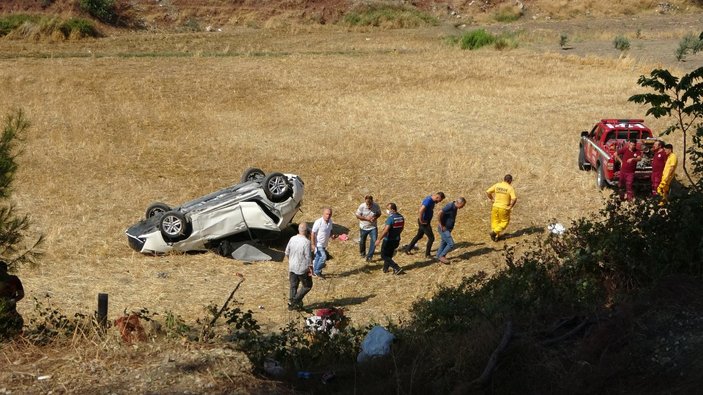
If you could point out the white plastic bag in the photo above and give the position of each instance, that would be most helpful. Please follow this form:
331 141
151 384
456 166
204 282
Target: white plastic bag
377 343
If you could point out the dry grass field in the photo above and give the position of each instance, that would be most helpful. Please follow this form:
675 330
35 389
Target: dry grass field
120 122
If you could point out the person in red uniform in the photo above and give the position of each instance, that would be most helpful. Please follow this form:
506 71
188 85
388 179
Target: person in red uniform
658 162
628 156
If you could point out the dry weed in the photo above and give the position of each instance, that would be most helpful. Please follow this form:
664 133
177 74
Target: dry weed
397 115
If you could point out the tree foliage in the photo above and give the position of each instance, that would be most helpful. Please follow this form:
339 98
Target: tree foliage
682 99
573 297
13 226
103 10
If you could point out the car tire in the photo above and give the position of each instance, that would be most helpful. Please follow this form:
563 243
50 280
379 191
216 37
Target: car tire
174 226
600 177
156 209
277 188
583 165
253 174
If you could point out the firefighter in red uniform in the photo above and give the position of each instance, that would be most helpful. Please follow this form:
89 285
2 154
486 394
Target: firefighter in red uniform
628 156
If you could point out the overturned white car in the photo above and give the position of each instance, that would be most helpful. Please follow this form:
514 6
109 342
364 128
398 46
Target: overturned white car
260 203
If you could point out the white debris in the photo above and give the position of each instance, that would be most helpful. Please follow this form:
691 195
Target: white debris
556 228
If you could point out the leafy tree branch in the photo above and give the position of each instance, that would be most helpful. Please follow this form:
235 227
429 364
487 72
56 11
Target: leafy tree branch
679 98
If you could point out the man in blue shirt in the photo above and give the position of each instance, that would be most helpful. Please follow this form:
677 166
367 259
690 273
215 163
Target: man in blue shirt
447 219
391 238
423 223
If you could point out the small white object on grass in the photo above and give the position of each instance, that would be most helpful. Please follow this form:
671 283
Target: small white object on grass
556 228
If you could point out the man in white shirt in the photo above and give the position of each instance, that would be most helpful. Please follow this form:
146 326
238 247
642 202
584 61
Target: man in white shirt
299 253
320 237
367 214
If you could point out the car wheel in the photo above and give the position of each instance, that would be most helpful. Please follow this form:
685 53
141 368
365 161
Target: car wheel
253 174
156 209
600 177
174 226
276 187
583 165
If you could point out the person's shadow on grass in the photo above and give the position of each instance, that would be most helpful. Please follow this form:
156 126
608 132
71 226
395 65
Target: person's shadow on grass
340 302
522 232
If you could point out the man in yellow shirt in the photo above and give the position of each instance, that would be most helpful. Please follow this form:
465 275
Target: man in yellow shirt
503 197
667 174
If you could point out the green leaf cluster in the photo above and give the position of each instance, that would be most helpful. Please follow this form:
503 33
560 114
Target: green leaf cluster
682 100
690 43
103 10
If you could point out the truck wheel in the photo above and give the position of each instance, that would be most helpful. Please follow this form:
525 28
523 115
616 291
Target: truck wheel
600 177
583 165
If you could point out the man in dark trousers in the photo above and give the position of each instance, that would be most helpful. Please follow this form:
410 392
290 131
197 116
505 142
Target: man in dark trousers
390 235
424 227
11 292
299 253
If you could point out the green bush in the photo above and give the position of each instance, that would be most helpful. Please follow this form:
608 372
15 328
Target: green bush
383 15
31 26
292 346
480 38
621 43
103 10
475 39
576 298
563 40
622 250
11 22
690 43
78 26
505 41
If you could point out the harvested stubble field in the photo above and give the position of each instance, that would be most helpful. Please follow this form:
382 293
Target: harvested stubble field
123 121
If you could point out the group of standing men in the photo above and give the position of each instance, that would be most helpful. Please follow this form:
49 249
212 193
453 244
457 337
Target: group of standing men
664 164
303 266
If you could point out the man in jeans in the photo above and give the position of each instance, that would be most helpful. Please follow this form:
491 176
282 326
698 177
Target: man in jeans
319 238
447 218
424 218
299 253
367 214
